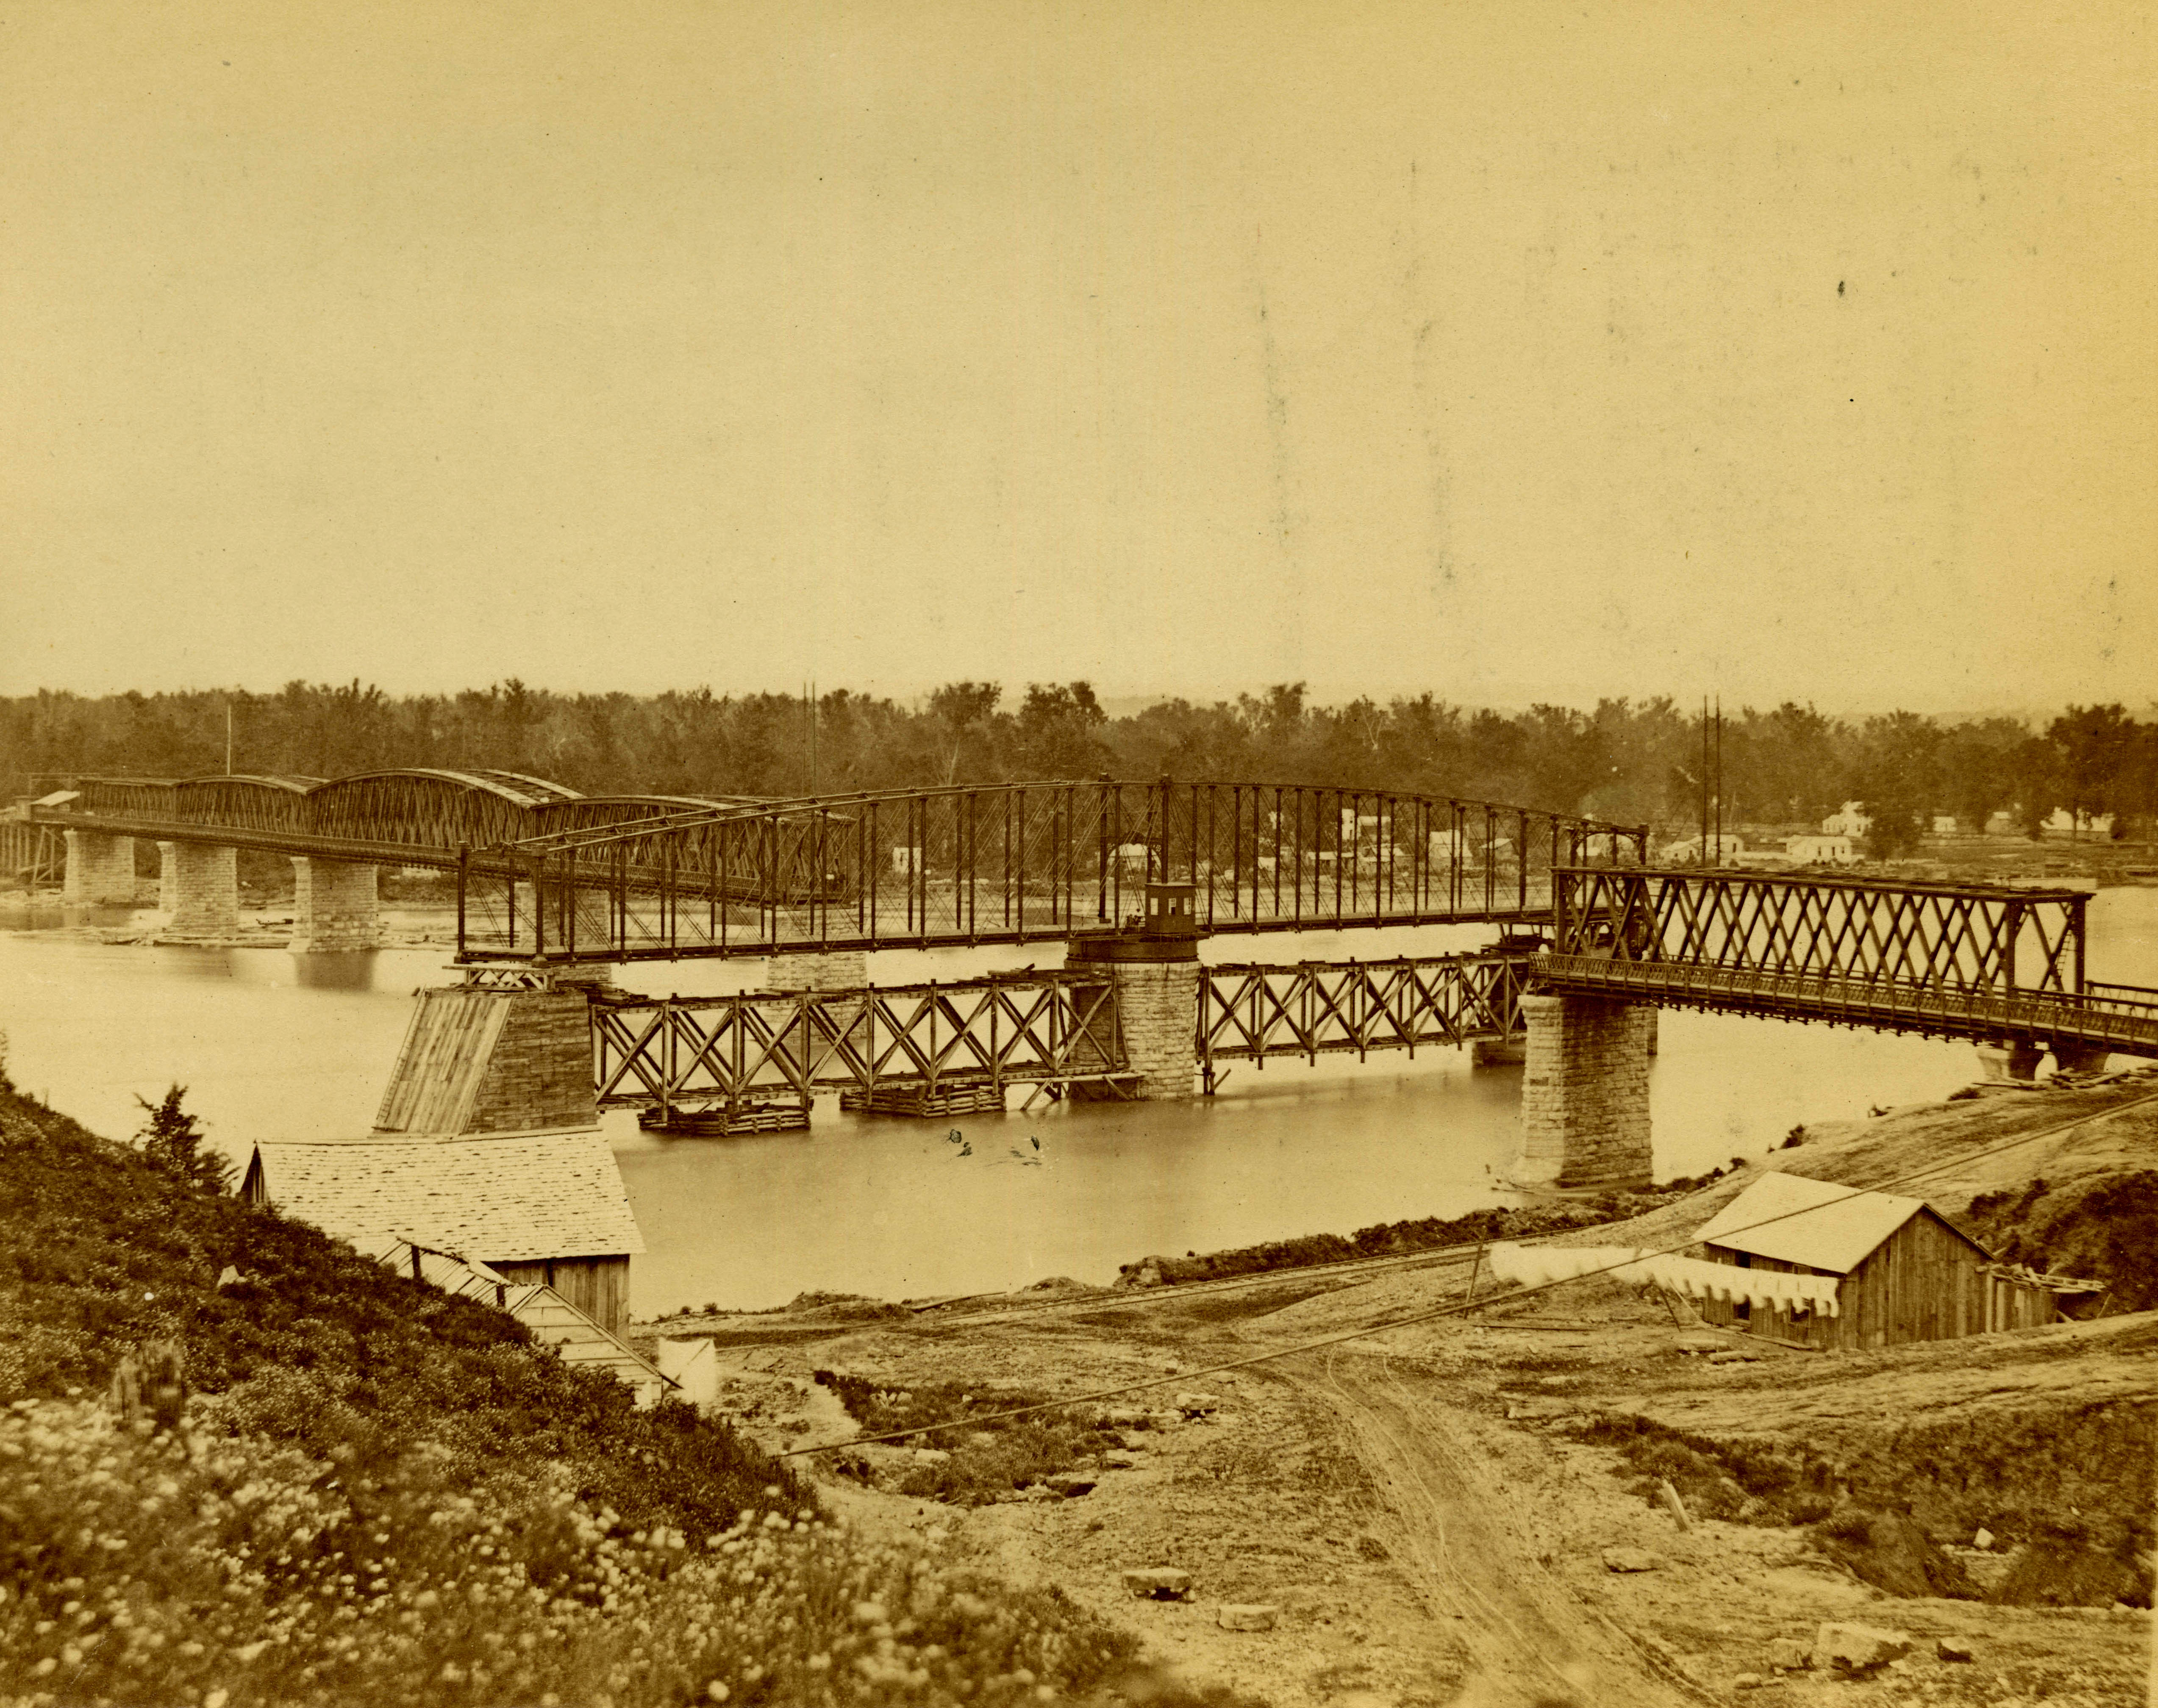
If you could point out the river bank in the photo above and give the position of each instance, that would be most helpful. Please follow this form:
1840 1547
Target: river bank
1434 1510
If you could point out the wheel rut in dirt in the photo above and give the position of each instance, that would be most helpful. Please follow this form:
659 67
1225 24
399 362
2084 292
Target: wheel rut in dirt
1528 1641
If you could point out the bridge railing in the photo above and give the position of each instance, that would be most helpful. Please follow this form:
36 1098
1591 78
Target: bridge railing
2123 1023
1014 862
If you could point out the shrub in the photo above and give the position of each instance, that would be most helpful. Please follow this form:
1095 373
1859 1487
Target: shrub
240 1571
1749 1482
2104 1227
172 1140
986 1459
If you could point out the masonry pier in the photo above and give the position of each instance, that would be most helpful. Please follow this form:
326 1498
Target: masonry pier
1153 966
205 890
2011 1059
100 871
834 969
480 1062
336 906
169 878
2079 1058
1585 1093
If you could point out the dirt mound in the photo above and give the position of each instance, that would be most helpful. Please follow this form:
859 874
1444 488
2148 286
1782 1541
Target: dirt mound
1891 1551
2103 1227
2064 1573
843 1307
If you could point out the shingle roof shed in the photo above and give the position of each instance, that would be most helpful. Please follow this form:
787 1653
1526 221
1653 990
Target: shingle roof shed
501 1200
1790 1219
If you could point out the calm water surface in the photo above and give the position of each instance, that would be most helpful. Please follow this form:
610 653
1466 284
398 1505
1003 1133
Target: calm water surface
272 1045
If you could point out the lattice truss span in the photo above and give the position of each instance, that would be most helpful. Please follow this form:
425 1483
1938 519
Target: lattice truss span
1955 960
1316 1009
1959 937
1046 1029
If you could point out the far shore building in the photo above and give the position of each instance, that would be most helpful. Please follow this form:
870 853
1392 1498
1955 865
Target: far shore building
1822 850
1904 1272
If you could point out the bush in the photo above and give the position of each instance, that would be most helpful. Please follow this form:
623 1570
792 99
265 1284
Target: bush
1747 1481
988 1459
244 1572
2104 1227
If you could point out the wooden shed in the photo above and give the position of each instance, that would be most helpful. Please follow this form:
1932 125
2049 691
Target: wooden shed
1903 1272
541 1209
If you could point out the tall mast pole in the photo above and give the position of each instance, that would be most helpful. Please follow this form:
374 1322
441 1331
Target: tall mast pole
1702 859
1719 780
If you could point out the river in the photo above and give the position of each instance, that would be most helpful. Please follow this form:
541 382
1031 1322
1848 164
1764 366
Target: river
275 1046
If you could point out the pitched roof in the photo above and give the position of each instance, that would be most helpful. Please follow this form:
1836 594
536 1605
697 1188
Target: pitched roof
1814 1222
502 1201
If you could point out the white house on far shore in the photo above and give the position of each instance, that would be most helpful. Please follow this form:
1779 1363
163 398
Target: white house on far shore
1820 850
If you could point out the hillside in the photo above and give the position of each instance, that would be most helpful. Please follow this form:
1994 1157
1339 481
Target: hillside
373 1491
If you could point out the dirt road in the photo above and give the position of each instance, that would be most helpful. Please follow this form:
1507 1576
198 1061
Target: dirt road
1528 1637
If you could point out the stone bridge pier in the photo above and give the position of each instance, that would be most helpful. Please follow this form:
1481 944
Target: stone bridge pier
100 870
1585 1093
1157 985
483 1062
834 969
336 906
199 890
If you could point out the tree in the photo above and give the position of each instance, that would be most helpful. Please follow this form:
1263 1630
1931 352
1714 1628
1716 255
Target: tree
1898 777
2096 745
1979 762
965 714
1060 732
172 1139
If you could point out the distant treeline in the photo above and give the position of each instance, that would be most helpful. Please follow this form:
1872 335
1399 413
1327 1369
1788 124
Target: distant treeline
1629 760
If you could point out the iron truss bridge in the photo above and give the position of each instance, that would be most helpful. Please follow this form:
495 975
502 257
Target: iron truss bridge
933 1048
1321 1007
1963 960
929 1044
1016 864
546 874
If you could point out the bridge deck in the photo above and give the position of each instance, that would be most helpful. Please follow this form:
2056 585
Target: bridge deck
2123 1024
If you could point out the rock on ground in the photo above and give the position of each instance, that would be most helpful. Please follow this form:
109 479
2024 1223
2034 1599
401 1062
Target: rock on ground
1857 1649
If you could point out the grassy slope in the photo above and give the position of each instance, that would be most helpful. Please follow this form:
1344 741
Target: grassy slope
380 1491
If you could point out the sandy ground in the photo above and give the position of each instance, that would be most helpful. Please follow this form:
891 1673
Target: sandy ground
1411 1503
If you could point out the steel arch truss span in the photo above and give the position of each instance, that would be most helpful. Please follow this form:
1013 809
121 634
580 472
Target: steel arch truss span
1324 1007
1046 1029
1013 863
1950 960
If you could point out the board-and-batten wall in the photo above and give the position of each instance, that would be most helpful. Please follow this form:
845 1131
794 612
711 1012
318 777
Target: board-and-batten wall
599 1286
1925 1282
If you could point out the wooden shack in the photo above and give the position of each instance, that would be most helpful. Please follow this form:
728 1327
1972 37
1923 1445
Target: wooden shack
1903 1272
540 1209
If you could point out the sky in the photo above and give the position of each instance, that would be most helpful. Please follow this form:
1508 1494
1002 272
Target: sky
1505 350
